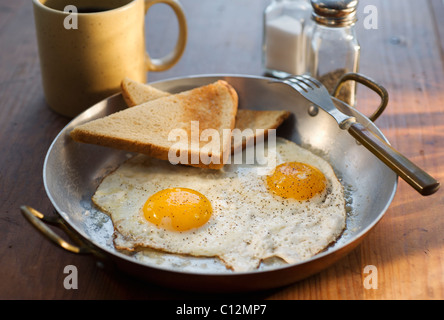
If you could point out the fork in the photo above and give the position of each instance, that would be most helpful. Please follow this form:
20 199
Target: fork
315 91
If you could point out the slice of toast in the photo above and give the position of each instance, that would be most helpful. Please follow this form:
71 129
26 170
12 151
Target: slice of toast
256 123
253 123
135 93
147 128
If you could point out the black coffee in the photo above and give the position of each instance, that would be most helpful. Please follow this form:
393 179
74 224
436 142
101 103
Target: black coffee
91 9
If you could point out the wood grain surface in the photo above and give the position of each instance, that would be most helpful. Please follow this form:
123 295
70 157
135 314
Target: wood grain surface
405 54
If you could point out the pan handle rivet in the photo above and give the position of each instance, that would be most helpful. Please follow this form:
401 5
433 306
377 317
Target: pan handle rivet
313 111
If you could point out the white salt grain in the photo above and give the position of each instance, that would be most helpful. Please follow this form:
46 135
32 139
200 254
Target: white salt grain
285 45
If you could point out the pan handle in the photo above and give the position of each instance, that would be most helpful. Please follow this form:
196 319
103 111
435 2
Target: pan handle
39 221
369 83
413 175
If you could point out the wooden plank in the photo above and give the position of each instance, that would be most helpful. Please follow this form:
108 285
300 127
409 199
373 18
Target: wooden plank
405 54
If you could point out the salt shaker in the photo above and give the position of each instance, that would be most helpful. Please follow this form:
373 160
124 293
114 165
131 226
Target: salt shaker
334 48
285 40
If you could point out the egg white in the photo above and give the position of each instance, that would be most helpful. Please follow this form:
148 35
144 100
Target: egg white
248 225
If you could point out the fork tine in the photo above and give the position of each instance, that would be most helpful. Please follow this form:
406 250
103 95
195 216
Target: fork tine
316 82
292 81
300 86
306 81
302 83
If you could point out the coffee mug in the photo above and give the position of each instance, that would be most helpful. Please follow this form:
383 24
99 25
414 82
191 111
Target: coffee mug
87 47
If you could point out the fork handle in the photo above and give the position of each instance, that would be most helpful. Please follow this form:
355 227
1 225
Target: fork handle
407 170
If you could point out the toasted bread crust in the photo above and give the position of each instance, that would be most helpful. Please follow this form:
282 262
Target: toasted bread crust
145 128
154 113
137 93
265 120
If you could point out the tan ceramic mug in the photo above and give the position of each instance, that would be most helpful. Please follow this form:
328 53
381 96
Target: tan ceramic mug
86 48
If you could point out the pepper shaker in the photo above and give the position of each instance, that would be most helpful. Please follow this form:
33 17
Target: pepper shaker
285 40
334 48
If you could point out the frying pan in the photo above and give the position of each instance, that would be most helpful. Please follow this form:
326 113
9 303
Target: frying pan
72 172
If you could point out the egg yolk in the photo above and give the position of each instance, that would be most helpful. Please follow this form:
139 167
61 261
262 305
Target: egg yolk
177 209
296 180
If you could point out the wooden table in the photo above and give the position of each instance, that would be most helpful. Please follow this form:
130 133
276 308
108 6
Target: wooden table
405 54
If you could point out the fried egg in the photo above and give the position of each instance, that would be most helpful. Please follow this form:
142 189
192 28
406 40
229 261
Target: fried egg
292 212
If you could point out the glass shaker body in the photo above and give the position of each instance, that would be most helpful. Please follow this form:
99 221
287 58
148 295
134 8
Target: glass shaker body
334 48
285 39
335 51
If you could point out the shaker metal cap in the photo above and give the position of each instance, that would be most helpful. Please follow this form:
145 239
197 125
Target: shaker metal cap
334 13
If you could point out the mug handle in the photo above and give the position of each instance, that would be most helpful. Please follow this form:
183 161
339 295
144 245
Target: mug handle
166 62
